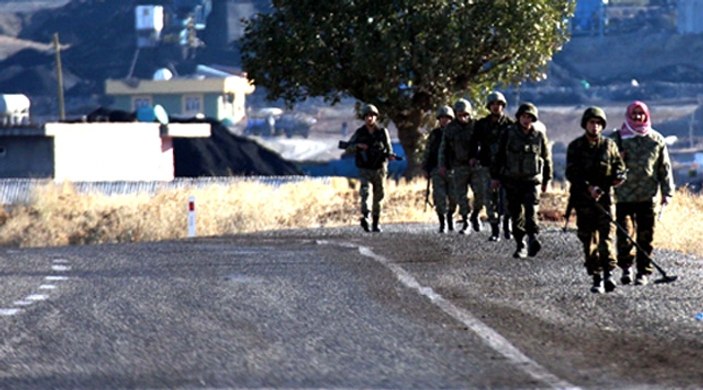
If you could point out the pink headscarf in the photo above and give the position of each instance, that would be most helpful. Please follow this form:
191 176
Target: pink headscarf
631 128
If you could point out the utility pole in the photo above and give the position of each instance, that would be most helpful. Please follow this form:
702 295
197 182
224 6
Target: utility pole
59 76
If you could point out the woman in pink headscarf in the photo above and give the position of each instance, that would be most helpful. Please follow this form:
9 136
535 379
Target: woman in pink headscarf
649 174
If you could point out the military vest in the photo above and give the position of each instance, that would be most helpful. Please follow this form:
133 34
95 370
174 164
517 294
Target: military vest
523 154
377 153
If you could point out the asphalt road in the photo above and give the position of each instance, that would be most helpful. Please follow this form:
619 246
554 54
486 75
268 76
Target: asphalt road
338 308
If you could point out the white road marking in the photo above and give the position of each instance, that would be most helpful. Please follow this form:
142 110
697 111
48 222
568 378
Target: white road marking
37 297
497 342
8 312
58 265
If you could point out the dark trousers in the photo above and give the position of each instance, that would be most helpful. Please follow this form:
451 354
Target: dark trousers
638 219
523 201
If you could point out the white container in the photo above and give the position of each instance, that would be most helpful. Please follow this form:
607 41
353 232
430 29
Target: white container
149 18
14 109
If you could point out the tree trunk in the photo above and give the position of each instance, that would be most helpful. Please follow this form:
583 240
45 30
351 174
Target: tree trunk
408 125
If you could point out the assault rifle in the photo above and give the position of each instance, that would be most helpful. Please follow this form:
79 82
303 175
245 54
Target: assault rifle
427 195
345 145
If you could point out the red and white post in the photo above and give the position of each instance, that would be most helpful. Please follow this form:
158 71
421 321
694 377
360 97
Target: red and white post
191 216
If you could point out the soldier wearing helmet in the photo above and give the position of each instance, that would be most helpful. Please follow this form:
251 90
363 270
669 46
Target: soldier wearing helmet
488 131
456 158
442 186
593 168
371 145
523 163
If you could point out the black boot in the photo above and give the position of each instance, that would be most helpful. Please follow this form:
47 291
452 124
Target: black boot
450 222
533 245
507 232
608 281
495 233
374 227
597 287
440 216
475 222
464 225
365 222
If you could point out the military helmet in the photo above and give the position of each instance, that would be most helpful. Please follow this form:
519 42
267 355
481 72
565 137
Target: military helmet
496 96
462 106
445 111
369 109
528 108
593 112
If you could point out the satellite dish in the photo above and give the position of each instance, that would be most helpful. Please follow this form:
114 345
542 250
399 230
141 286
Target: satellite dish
163 74
160 114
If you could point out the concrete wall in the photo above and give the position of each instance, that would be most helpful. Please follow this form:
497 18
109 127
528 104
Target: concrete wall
110 152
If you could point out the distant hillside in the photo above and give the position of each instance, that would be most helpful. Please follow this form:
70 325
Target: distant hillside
99 41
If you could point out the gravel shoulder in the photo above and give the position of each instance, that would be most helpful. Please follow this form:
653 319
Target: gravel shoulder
637 336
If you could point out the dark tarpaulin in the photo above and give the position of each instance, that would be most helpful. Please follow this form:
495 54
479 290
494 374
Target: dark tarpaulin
226 154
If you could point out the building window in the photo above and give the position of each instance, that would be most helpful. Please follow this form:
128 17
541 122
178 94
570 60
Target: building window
141 101
192 104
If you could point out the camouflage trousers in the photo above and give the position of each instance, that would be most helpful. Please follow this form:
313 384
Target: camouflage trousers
596 233
523 204
466 177
443 192
481 188
372 178
638 219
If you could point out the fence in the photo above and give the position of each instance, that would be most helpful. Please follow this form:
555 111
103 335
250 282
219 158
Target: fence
14 191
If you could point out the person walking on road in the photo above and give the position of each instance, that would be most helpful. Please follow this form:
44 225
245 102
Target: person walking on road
371 145
593 168
456 157
487 132
524 163
442 185
649 173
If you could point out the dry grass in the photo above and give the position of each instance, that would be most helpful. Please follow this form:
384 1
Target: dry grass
58 215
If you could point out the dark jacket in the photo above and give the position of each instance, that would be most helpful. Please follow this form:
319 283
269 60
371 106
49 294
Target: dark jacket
431 157
379 147
487 137
455 148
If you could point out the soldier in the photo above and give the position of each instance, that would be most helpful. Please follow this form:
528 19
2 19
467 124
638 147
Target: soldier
487 134
455 157
372 147
522 163
649 172
594 167
442 187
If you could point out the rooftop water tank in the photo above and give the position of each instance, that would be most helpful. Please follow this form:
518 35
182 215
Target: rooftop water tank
163 74
14 109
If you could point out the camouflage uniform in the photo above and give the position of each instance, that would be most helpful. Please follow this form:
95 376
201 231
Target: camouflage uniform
455 155
649 171
594 164
442 185
522 163
373 168
488 131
